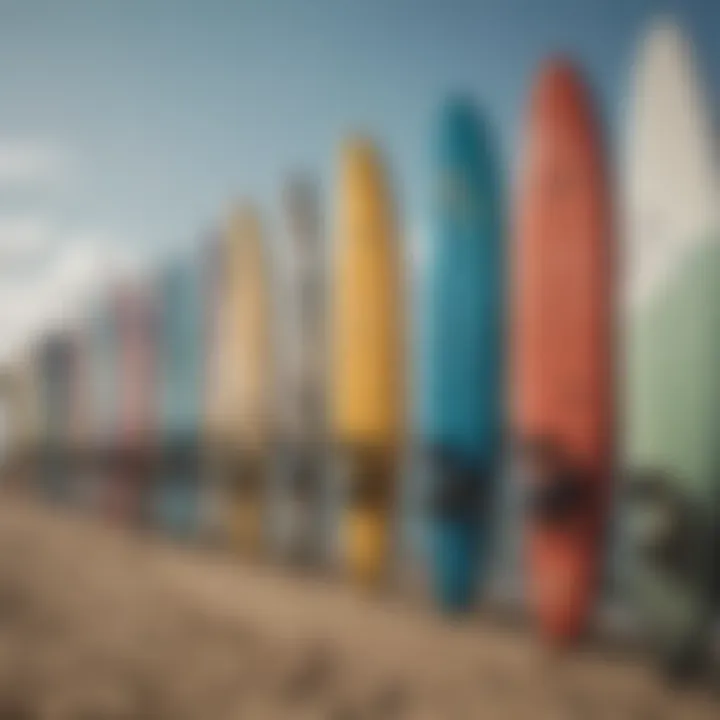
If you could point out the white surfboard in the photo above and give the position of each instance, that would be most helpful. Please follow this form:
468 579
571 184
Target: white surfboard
237 404
669 203
302 400
671 384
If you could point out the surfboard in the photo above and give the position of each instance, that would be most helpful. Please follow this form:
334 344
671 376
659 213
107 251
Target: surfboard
366 402
217 423
24 415
460 396
180 314
54 364
561 380
111 342
34 418
249 384
300 501
78 417
672 345
14 396
137 411
103 404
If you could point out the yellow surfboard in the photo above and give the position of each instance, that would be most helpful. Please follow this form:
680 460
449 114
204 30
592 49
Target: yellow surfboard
366 399
243 410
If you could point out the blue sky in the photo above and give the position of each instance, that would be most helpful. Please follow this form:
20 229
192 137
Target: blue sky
131 124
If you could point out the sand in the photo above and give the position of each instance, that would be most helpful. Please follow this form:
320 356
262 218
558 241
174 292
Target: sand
100 623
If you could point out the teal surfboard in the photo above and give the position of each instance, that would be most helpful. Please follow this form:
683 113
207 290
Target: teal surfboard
180 386
460 394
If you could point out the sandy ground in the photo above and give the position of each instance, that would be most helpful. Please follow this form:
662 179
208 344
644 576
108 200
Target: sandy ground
97 623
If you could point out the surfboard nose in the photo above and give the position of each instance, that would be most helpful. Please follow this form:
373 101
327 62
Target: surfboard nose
464 139
360 159
362 183
561 97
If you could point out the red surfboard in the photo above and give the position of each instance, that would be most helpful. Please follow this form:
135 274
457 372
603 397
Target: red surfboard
561 348
137 421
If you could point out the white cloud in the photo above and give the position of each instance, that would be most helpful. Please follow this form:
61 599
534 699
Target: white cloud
47 274
59 292
26 162
22 238
22 308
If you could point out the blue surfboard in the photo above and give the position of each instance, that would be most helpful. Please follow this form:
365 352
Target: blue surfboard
180 384
460 393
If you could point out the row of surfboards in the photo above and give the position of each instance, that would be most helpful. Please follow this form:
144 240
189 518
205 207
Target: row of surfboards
587 340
